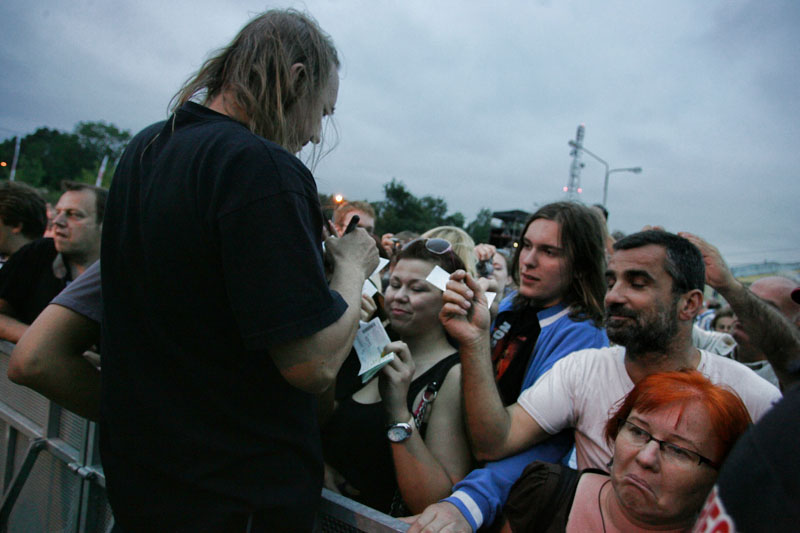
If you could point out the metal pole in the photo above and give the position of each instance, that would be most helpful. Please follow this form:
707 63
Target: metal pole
14 162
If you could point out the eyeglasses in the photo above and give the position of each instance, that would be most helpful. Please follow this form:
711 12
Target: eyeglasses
438 246
670 452
434 245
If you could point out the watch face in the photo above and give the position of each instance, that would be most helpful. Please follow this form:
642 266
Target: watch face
398 433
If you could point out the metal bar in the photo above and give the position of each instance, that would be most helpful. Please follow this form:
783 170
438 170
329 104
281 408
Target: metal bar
11 495
11 452
22 423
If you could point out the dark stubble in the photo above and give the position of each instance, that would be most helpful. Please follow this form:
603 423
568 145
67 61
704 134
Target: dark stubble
647 332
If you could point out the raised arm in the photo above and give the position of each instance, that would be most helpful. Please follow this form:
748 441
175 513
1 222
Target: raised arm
494 430
311 363
426 469
49 359
764 324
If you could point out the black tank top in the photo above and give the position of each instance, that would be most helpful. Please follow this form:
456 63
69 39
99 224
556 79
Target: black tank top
354 441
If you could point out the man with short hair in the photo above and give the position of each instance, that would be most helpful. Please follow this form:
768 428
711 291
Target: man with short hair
346 211
655 281
23 217
41 269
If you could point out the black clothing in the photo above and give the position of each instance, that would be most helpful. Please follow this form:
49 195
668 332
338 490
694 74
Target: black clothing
513 340
759 483
541 499
355 443
211 256
27 281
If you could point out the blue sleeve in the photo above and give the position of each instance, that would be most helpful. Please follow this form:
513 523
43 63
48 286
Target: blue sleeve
481 495
560 342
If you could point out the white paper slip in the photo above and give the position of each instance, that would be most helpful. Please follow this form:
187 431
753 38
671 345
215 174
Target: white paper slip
371 339
382 262
369 288
438 278
490 296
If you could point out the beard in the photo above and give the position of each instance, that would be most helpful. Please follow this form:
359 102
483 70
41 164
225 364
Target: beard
645 331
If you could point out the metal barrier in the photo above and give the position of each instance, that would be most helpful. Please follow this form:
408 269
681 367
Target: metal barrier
52 479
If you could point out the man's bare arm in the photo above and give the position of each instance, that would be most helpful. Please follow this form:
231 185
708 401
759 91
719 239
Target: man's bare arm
49 359
764 324
311 363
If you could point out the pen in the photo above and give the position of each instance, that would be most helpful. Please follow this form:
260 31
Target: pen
352 224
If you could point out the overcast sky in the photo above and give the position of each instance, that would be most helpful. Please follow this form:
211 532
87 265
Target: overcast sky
476 101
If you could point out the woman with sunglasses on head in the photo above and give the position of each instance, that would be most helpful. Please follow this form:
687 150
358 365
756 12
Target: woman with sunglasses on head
670 435
399 443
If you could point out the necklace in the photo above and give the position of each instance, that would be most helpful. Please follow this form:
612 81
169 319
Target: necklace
600 506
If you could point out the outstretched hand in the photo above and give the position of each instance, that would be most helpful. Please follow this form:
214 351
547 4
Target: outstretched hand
442 516
465 315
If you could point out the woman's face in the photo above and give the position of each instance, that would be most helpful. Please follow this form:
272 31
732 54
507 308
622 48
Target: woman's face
500 271
305 118
655 487
413 304
725 324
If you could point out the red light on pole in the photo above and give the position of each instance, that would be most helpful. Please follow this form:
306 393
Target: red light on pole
3 164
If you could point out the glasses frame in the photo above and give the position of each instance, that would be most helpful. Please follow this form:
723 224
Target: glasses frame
663 443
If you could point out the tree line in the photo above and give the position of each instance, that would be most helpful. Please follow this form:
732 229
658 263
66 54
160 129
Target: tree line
49 156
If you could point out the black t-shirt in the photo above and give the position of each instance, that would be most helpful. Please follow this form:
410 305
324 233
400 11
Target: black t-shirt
27 281
211 255
513 340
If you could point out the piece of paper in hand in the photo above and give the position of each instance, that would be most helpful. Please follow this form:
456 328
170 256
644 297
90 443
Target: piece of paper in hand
490 298
369 288
438 278
371 339
382 262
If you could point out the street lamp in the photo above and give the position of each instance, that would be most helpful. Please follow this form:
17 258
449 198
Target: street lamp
635 170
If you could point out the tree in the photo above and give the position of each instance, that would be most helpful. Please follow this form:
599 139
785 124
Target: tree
401 210
48 156
479 228
102 139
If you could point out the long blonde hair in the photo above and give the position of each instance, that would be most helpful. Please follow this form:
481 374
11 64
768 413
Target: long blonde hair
255 68
462 244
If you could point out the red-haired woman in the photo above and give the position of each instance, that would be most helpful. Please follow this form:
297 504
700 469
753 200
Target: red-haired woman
670 436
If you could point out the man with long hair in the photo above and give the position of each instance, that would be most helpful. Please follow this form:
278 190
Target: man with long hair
558 267
219 325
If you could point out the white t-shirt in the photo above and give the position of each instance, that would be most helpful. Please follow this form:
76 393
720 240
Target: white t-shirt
582 390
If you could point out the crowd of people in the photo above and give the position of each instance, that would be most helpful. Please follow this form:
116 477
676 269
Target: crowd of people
599 391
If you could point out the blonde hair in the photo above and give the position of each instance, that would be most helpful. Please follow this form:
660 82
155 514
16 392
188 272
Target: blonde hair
255 69
462 244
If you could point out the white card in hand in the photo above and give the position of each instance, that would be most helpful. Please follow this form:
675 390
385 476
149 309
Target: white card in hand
490 296
438 278
370 341
369 288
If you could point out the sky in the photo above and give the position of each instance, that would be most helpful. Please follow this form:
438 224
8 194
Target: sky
475 102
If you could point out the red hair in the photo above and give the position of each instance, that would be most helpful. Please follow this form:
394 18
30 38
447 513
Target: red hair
727 414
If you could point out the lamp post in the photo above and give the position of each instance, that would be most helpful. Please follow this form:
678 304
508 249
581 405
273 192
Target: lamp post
609 171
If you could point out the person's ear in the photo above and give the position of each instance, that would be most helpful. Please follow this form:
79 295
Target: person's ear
297 76
690 304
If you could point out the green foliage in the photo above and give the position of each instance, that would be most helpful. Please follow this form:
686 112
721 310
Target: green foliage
101 139
401 210
49 156
480 227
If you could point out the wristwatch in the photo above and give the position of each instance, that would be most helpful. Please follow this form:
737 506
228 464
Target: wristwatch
400 431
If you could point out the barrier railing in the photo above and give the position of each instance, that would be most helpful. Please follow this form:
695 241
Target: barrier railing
52 480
